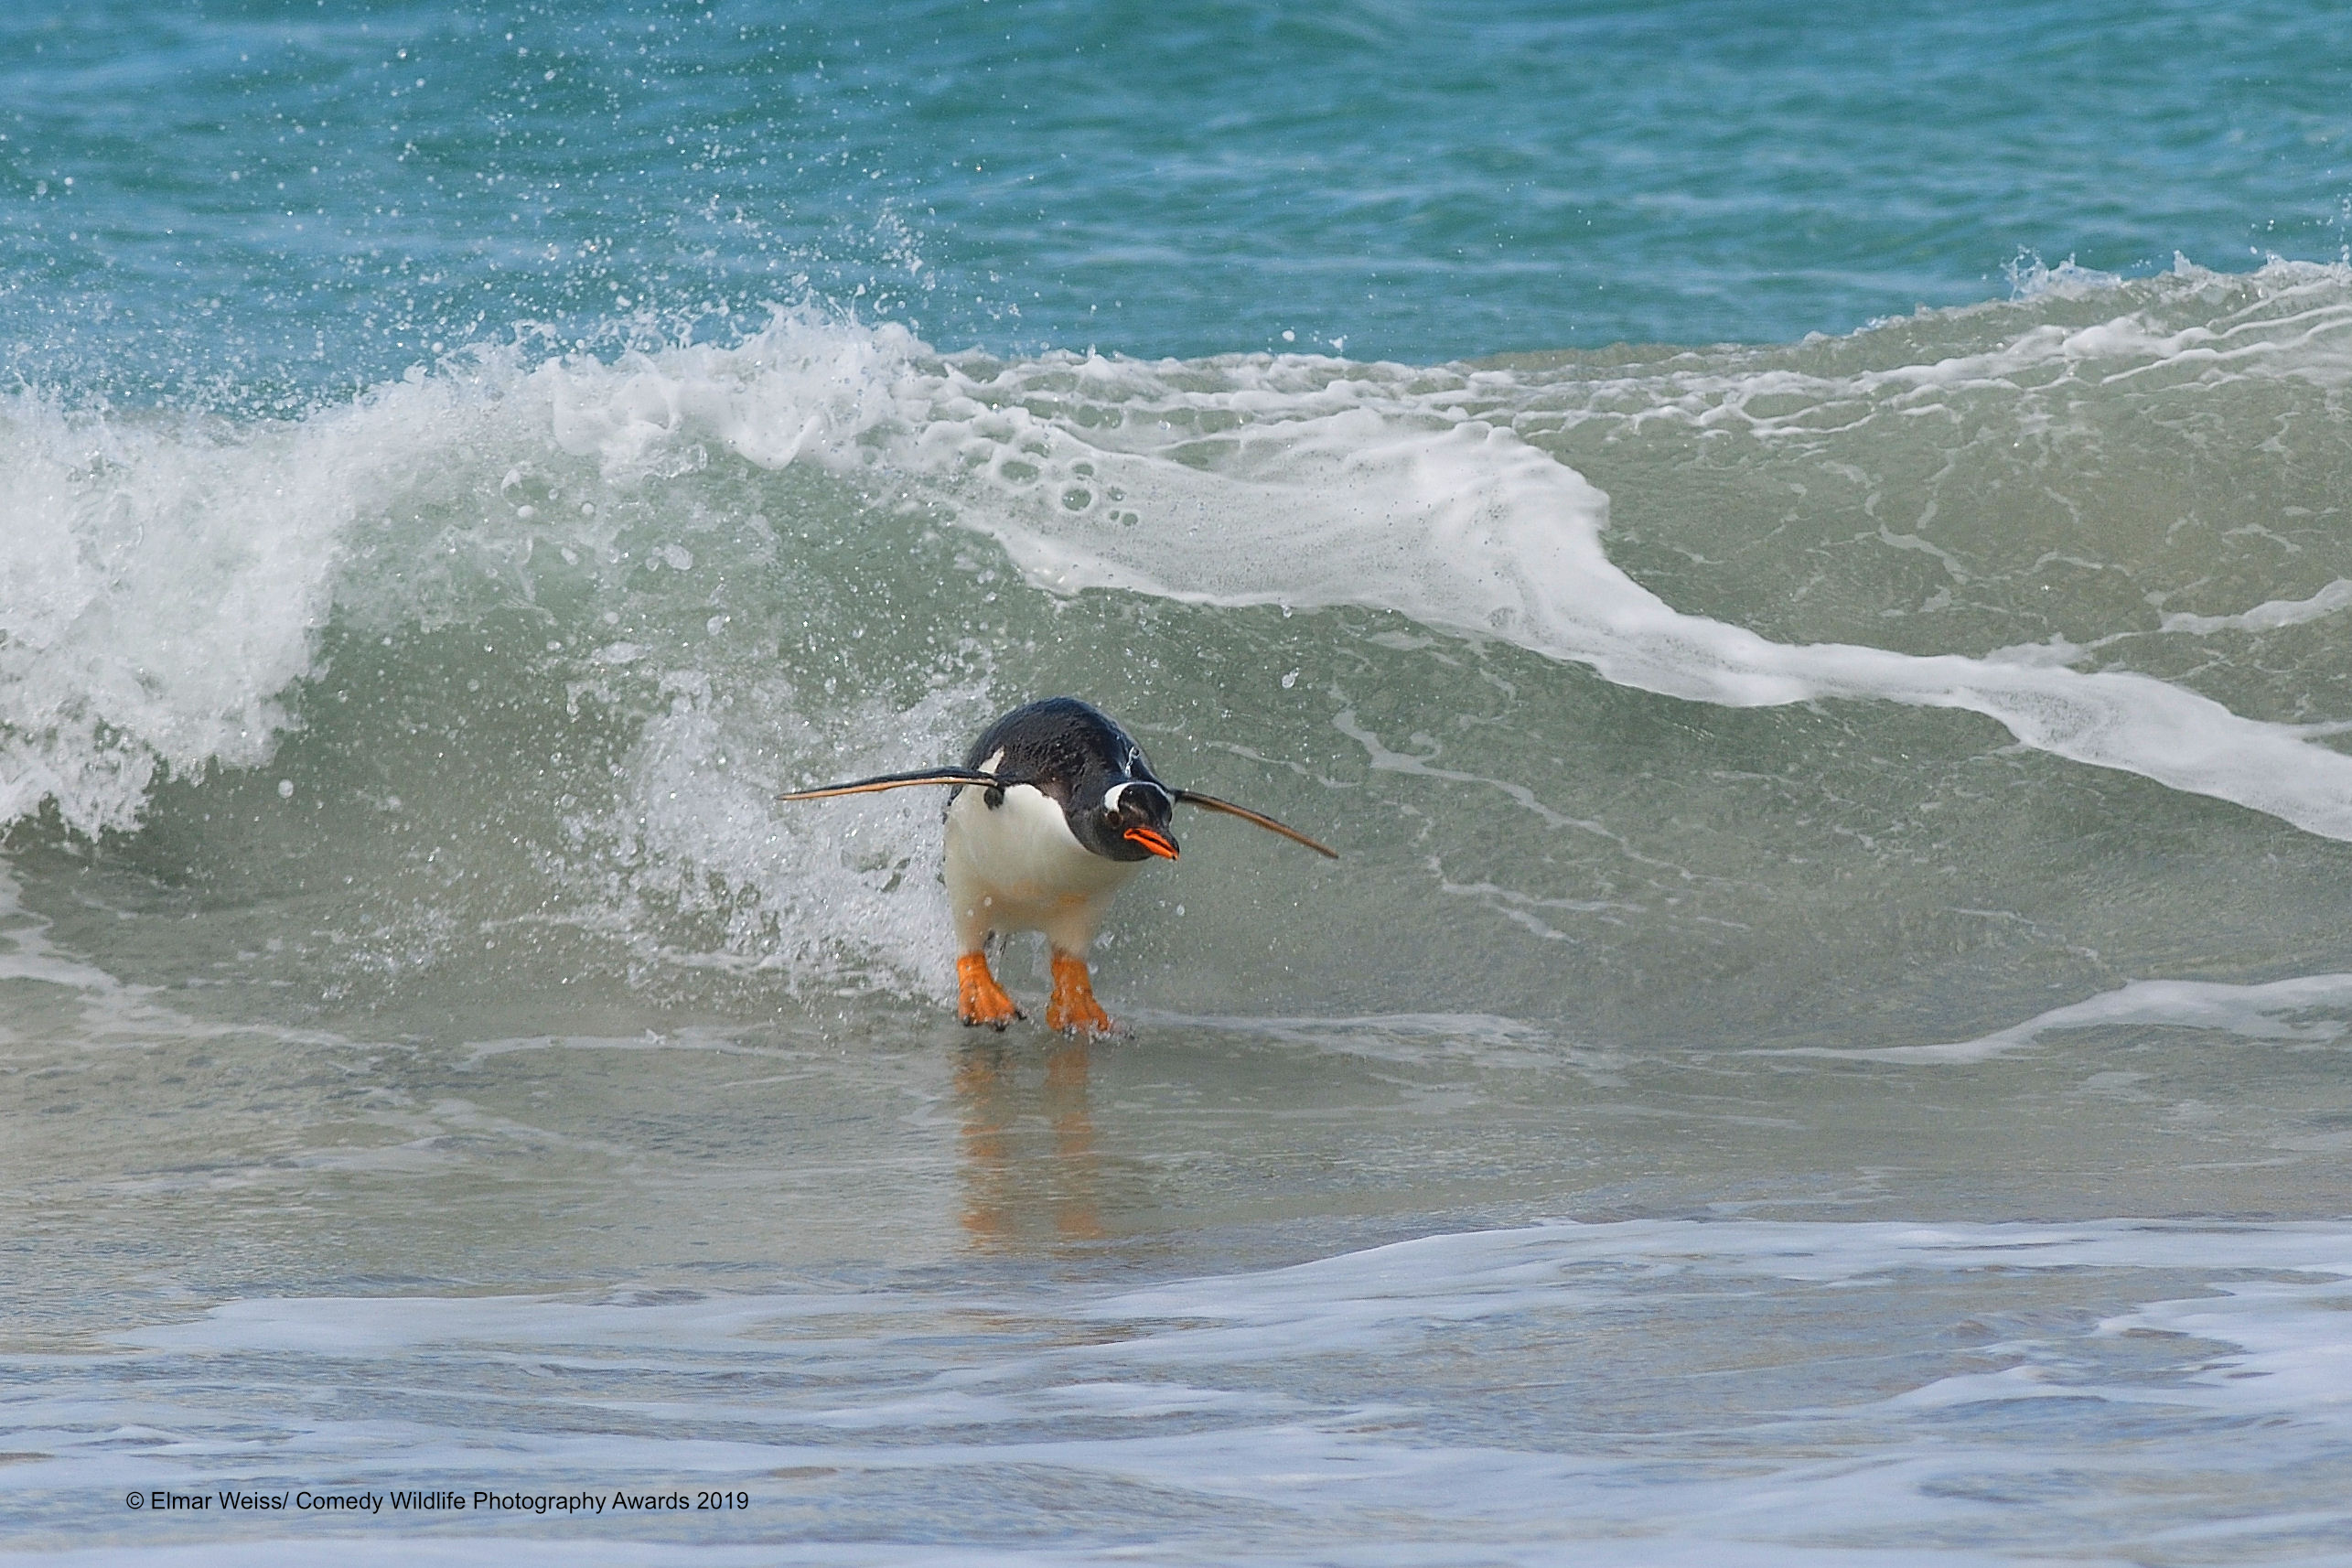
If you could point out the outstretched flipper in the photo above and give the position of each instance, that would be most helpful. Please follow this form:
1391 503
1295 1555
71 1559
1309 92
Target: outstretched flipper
900 781
996 783
1194 798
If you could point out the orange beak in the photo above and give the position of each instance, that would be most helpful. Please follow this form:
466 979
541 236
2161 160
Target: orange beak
1151 839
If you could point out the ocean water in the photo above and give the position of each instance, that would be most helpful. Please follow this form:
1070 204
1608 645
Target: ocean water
1801 561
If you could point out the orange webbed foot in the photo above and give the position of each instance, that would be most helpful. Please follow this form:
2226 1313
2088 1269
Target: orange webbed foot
979 999
1073 1006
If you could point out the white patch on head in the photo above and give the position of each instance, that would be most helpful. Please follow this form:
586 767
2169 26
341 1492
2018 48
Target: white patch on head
989 765
1111 797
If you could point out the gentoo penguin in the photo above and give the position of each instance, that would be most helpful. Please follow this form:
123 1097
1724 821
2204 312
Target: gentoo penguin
1054 810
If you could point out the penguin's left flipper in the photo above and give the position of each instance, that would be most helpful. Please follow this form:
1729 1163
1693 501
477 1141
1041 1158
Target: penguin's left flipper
900 781
1211 802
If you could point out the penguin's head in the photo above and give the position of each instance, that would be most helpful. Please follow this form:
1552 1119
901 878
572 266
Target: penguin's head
1129 819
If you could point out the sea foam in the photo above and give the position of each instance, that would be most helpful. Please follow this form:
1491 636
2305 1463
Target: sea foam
165 583
1265 1414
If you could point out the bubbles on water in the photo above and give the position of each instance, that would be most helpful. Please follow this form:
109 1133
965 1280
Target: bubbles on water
816 892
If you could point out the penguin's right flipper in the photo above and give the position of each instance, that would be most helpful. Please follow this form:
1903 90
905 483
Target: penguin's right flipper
900 781
1211 802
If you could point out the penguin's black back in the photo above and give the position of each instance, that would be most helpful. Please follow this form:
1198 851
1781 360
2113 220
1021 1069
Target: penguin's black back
1060 745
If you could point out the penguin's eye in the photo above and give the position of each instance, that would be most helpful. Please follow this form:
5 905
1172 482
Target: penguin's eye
1130 800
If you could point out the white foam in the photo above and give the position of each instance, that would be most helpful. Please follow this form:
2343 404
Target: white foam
1483 1273
163 581
1324 1395
1371 1299
1317 483
2264 1011
159 591
2269 616
163 587
2030 277
845 888
2295 1354
1470 529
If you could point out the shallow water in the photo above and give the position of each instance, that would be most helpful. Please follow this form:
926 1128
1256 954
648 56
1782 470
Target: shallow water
1827 1038
909 1289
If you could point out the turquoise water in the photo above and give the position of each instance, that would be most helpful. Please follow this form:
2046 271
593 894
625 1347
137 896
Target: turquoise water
236 201
1799 559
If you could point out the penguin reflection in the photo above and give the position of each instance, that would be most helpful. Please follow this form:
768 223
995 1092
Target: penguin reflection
1017 1187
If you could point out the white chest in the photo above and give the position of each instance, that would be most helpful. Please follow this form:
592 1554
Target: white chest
1023 850
1017 867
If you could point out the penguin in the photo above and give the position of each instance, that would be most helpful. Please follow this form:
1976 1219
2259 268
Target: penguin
1054 811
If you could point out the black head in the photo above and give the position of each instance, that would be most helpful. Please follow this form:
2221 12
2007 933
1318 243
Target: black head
1127 820
1079 756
